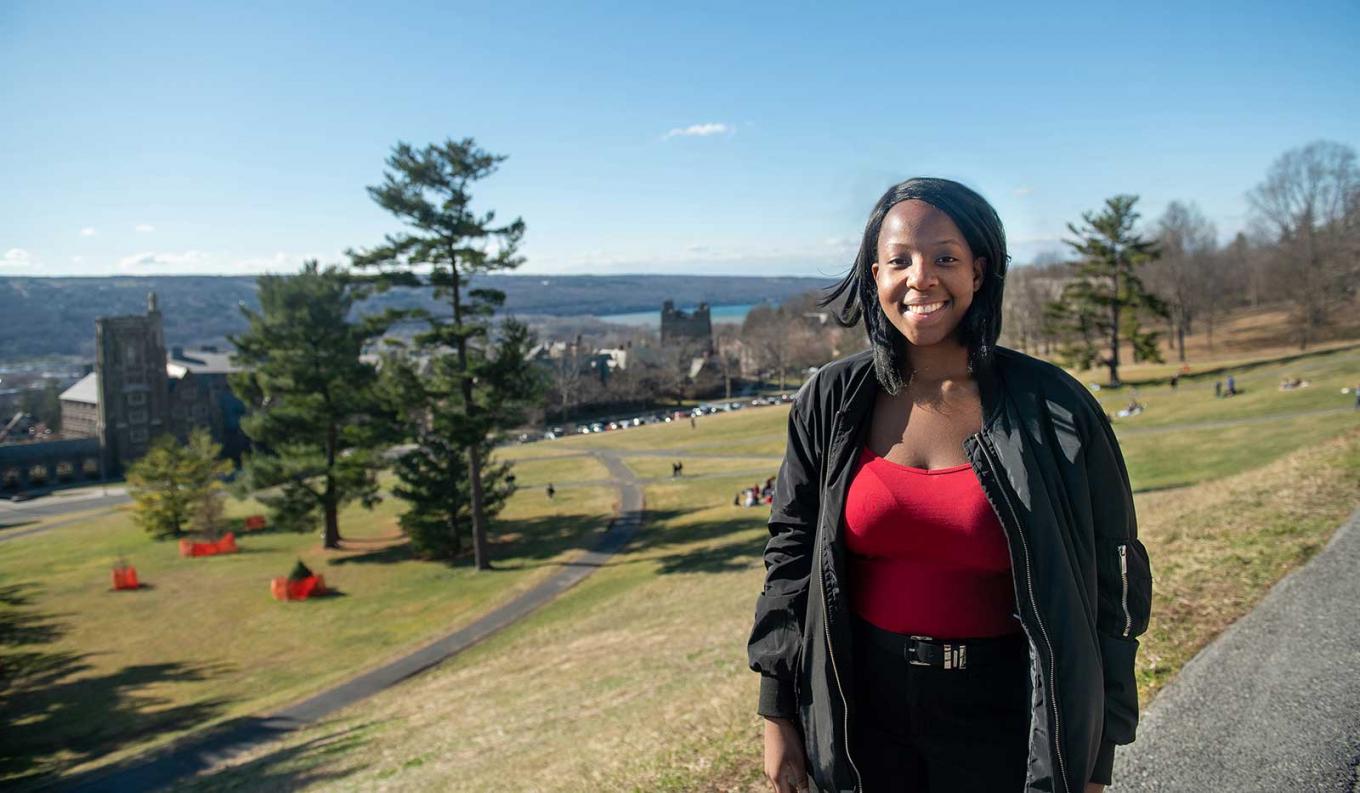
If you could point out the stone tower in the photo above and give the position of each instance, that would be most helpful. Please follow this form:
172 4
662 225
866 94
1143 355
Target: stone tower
133 387
691 329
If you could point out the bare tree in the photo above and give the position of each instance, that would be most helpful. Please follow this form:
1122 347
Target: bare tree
566 377
1029 290
1307 202
727 341
1187 241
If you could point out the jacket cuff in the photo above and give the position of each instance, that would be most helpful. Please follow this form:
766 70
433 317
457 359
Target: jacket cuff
777 699
1104 766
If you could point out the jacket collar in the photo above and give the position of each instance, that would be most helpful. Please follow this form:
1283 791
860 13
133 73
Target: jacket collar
862 388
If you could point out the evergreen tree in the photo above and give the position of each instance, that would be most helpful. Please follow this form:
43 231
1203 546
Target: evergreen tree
1104 304
170 484
317 421
462 384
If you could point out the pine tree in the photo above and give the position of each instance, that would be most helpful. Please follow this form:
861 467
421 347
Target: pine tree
1104 304
317 421
171 483
467 379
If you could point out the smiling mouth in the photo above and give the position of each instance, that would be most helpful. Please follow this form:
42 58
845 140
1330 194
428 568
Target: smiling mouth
922 309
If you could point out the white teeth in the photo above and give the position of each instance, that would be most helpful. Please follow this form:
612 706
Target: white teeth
926 308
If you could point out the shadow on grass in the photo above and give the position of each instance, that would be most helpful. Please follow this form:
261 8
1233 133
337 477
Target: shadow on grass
55 714
717 551
289 768
286 769
515 544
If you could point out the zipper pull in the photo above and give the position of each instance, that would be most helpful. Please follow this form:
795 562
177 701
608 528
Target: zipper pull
1124 559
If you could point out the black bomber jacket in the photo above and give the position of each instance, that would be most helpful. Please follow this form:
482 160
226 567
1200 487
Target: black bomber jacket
1049 464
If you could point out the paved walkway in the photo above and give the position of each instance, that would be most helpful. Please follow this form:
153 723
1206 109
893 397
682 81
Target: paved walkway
199 753
1271 705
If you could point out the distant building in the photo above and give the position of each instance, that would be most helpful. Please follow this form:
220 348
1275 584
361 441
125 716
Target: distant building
692 329
137 392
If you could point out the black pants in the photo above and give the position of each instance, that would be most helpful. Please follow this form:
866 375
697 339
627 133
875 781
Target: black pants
919 728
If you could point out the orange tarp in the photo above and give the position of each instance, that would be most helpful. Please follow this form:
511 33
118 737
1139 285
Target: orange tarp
287 589
225 545
125 578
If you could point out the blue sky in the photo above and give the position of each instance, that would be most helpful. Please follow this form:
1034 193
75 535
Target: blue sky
238 137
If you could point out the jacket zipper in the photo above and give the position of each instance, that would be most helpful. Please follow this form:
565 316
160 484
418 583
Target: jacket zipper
1124 580
840 689
830 647
1029 583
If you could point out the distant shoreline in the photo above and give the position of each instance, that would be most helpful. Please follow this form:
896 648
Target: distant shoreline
735 312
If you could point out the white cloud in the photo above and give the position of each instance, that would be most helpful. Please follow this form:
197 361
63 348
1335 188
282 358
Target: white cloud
143 228
77 260
17 256
165 262
1023 191
88 231
700 131
278 263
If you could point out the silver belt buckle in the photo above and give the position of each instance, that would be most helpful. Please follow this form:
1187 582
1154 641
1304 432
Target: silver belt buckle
955 656
911 650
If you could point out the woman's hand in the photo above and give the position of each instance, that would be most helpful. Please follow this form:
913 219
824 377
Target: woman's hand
785 760
1094 787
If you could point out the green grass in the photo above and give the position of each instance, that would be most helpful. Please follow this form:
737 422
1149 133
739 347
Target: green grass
636 679
121 671
659 468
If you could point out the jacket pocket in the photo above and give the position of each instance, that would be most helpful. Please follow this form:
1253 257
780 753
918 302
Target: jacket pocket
1125 587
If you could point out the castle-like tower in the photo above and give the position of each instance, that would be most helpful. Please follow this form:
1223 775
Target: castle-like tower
133 385
687 329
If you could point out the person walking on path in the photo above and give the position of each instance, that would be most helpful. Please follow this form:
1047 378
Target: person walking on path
954 584
551 491
694 425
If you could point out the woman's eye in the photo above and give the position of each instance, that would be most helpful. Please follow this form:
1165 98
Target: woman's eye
946 260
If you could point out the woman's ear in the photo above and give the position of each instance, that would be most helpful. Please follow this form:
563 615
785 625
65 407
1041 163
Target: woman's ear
979 268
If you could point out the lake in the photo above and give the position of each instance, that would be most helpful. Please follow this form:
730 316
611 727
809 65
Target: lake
652 319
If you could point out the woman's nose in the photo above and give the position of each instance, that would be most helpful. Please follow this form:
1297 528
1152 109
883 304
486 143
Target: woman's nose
920 276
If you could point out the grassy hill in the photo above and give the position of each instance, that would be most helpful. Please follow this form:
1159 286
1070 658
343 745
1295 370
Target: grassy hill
637 680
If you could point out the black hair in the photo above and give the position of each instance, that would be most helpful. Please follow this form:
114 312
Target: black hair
981 229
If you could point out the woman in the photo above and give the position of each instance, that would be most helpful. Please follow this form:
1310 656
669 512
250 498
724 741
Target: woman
954 584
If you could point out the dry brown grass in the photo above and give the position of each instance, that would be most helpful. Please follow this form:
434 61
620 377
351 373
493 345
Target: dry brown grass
1217 547
636 679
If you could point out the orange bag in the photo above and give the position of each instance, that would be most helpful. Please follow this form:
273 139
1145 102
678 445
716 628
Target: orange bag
125 578
284 589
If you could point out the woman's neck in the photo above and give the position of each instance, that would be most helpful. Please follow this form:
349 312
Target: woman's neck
938 363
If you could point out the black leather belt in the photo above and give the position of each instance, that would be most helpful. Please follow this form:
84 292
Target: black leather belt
920 650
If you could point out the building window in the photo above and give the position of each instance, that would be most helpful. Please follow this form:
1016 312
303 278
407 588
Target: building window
136 416
136 398
137 434
130 356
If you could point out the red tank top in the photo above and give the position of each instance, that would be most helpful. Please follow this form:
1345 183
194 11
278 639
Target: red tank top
927 554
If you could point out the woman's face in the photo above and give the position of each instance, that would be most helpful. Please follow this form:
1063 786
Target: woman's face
925 272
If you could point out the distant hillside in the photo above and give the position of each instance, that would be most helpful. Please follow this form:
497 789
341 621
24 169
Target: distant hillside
55 316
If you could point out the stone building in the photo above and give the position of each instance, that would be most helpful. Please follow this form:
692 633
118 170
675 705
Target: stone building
691 329
136 392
